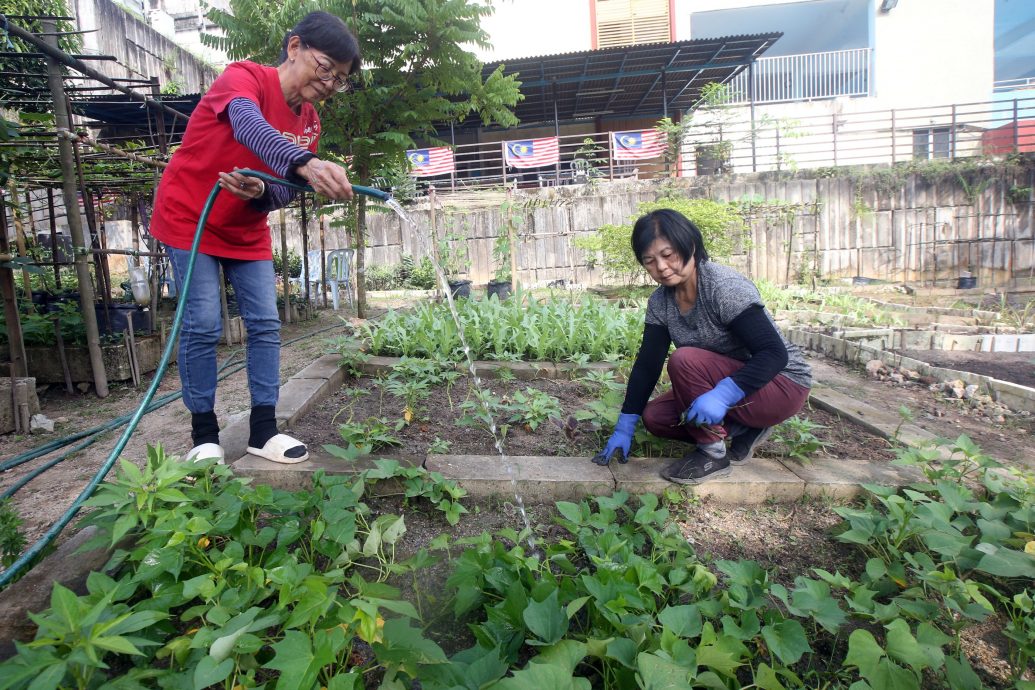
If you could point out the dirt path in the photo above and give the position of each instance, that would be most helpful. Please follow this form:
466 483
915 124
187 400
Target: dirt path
43 500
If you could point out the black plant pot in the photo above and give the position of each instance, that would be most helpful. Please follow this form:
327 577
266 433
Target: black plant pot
966 282
120 314
460 288
499 288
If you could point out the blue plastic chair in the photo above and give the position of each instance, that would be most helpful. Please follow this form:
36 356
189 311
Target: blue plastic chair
314 273
339 273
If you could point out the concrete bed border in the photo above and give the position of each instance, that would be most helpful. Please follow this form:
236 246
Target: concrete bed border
1014 396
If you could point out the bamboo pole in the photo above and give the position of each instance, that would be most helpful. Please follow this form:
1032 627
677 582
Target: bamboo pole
75 222
19 238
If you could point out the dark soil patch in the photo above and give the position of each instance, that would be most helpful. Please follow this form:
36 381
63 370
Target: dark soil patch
363 400
1015 367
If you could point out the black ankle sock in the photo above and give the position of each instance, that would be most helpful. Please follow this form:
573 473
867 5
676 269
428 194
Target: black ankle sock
204 428
263 423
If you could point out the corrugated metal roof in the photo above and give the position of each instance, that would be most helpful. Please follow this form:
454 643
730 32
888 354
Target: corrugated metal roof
628 81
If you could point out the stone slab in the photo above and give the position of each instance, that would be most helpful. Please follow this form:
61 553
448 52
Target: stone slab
299 395
539 479
842 478
882 423
300 475
31 593
327 368
758 481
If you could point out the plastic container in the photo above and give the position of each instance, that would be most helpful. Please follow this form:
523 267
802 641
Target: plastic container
966 282
139 286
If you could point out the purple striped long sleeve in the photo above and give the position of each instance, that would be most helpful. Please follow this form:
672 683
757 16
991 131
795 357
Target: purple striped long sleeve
253 131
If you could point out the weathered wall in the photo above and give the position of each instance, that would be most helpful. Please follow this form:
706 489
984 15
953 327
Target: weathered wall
142 52
918 231
838 227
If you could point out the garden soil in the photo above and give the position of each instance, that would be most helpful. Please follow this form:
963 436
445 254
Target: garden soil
1015 367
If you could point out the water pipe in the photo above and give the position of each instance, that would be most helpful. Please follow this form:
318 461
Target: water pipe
36 549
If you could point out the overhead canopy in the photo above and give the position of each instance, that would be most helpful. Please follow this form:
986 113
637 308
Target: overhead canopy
649 80
630 81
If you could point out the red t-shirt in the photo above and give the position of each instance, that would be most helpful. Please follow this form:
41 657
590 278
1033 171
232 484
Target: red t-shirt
234 229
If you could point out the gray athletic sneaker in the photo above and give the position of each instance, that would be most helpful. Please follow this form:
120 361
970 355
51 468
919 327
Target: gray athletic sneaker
742 447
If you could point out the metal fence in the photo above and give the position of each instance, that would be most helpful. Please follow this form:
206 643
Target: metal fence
804 77
725 140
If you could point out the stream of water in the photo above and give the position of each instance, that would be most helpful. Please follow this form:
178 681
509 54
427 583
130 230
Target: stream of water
497 438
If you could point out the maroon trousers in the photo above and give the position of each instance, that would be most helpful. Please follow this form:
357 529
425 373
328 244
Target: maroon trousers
694 371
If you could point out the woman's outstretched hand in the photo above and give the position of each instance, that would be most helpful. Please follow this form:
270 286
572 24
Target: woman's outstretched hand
620 441
326 178
242 186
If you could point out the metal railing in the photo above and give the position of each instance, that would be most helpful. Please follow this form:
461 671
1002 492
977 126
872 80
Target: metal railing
805 77
962 130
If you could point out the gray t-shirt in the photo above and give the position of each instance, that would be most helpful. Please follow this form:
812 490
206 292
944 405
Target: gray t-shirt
722 296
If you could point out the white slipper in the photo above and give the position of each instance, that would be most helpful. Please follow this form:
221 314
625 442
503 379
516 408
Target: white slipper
276 447
204 452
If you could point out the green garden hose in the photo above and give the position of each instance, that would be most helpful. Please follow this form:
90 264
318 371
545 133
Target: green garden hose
32 552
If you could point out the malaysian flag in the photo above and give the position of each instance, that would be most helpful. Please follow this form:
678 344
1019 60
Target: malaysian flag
531 153
647 143
428 162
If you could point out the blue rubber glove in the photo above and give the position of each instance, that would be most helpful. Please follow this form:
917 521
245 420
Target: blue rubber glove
621 440
711 407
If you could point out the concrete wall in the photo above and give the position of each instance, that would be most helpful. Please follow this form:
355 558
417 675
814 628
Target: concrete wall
141 51
925 232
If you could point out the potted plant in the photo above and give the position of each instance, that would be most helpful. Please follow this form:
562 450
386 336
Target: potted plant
449 249
500 284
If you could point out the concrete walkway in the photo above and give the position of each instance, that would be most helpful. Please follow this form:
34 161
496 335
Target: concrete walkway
548 478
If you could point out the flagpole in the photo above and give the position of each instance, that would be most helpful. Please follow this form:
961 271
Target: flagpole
611 156
504 152
452 145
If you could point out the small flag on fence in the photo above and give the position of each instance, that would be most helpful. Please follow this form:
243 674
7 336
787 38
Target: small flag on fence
531 153
647 143
428 162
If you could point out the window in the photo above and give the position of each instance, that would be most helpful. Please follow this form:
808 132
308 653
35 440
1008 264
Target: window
935 142
631 22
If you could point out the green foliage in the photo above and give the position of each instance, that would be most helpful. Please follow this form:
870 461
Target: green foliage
12 541
531 407
294 263
234 585
38 329
798 440
405 274
366 437
722 226
518 328
225 582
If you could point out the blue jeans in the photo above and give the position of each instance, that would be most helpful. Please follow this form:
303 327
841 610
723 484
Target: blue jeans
255 288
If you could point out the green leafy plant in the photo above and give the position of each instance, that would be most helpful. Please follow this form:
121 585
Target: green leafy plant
532 407
12 540
797 439
368 436
517 328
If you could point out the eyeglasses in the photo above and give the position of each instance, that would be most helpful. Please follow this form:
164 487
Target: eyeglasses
325 72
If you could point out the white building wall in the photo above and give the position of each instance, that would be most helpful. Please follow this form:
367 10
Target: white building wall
932 52
525 28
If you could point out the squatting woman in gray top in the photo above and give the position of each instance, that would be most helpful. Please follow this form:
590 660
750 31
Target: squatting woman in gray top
733 374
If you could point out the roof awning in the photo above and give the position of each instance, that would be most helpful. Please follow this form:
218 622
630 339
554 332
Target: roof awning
631 81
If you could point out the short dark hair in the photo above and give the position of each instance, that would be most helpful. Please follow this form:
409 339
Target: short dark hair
672 225
327 33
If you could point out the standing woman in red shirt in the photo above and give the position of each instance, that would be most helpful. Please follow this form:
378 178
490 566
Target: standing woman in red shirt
261 118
